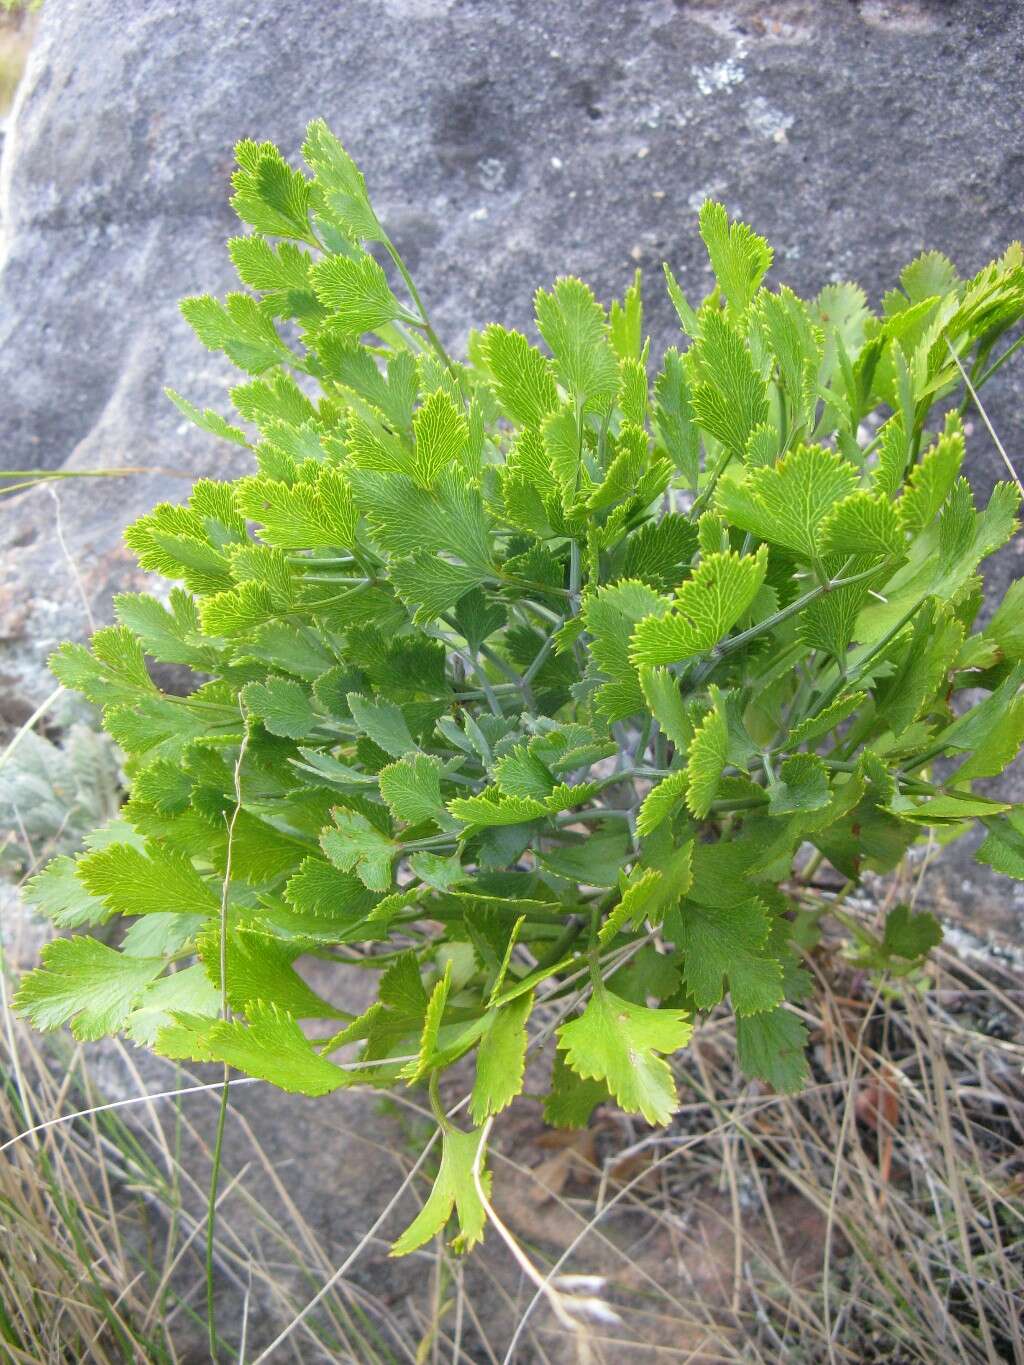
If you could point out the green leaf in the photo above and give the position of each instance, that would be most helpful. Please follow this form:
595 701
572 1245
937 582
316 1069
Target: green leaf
617 1042
442 434
282 705
501 1058
384 723
1003 847
928 275
943 559
191 542
277 405
802 785
320 889
725 942
270 1046
412 789
161 935
931 479
662 694
234 614
732 399
408 520
520 772
863 523
454 1188
785 503
208 420
660 552
171 632
706 607
998 748
935 640
574 326
842 309
441 873
637 899
626 323
893 453
973 727
772 1048
739 257
433 586
401 989
797 344
491 808
356 845
571 1100
302 516
830 622
240 328
58 893
688 320
595 860
429 1058
1006 627
813 727
114 671
131 881
675 863
340 190
706 761
259 967
269 195
523 383
357 292
266 268
188 991
673 414
661 801
610 615
909 934
84 982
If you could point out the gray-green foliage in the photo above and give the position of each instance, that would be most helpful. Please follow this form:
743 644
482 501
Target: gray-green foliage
52 795
529 677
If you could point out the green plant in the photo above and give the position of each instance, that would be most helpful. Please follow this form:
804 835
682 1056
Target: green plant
532 688
54 795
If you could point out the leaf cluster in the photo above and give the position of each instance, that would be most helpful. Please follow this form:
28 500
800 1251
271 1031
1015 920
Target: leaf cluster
528 681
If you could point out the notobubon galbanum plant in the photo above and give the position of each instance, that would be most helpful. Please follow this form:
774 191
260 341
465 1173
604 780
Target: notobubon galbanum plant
541 683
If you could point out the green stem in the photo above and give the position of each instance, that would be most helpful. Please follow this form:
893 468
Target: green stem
702 499
735 642
563 943
424 323
434 1091
853 678
570 817
211 1217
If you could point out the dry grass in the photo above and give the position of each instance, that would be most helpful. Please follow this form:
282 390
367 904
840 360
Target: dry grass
877 1217
17 28
103 1223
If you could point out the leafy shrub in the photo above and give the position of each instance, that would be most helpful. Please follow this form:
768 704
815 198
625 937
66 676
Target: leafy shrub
530 683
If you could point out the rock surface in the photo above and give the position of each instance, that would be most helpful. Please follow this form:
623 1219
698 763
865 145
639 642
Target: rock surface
504 143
